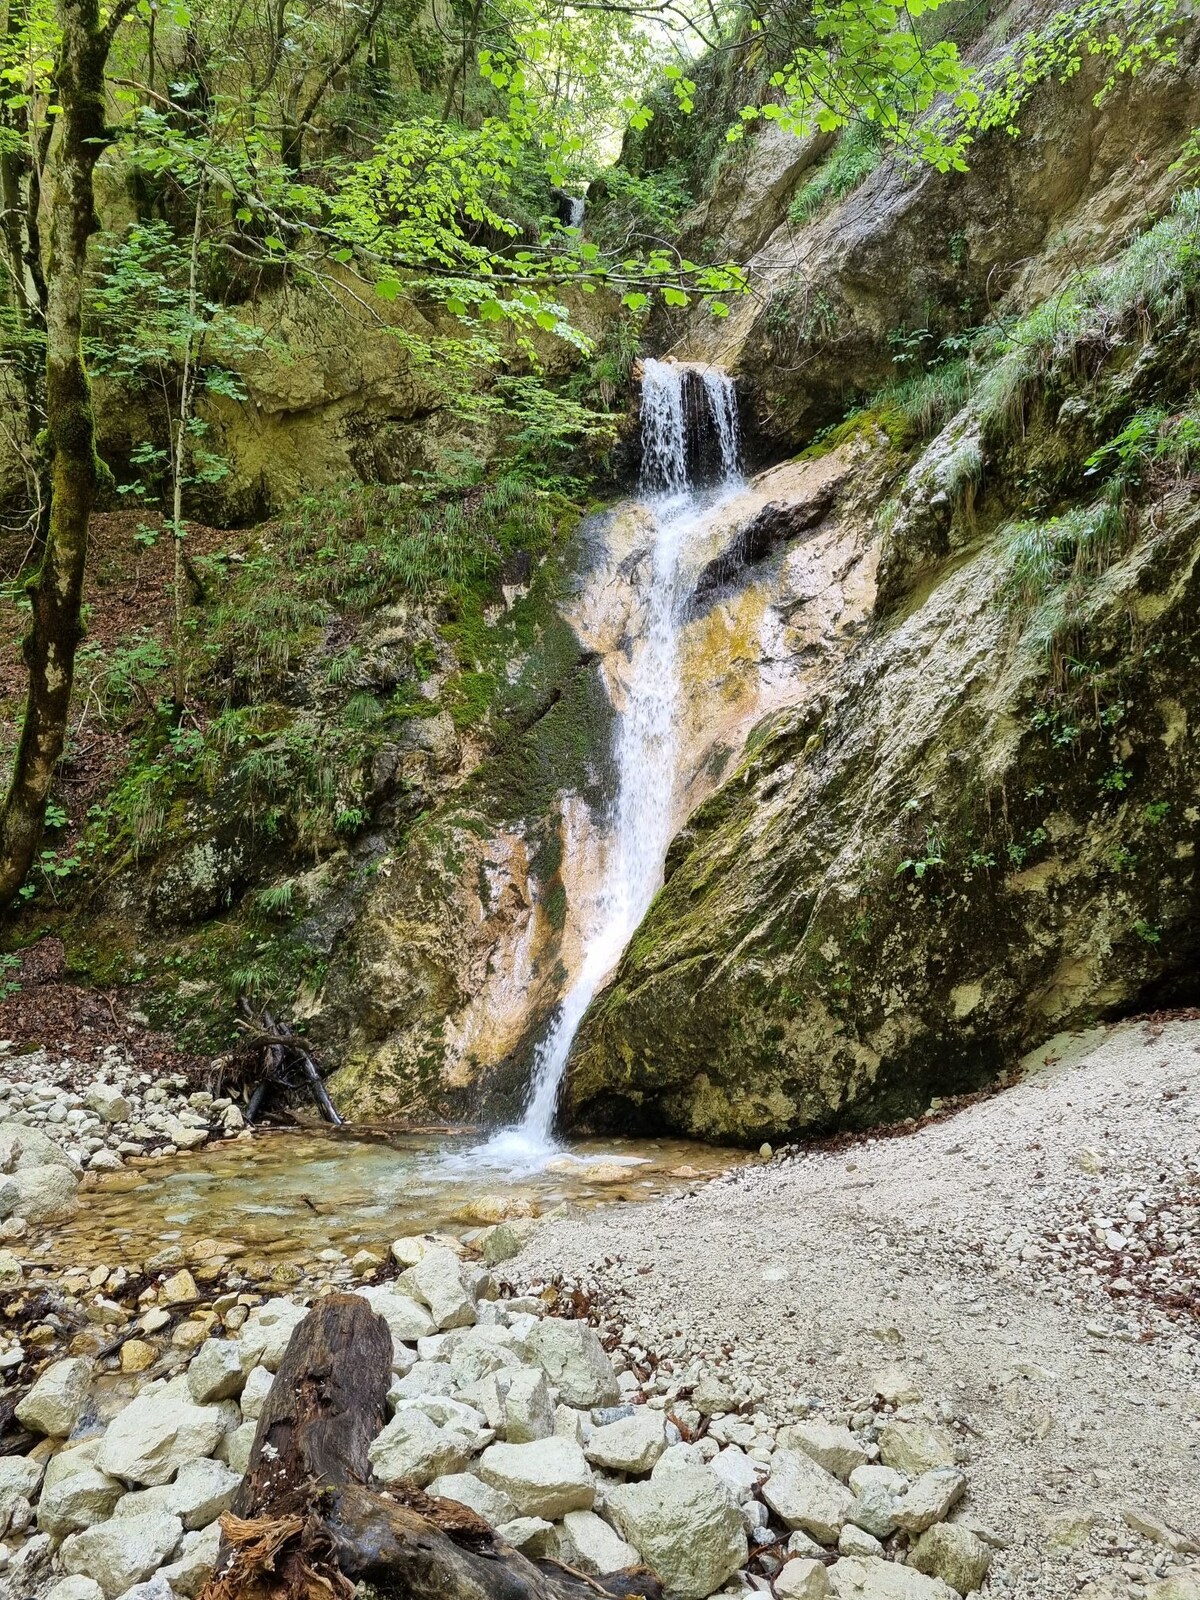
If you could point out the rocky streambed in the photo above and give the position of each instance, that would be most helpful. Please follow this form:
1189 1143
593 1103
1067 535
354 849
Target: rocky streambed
955 1363
570 1443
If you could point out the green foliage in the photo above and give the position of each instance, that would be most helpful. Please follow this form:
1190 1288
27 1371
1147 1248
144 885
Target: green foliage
925 401
863 60
1152 288
10 984
605 381
1045 554
1152 436
542 430
933 856
854 157
143 323
637 206
128 674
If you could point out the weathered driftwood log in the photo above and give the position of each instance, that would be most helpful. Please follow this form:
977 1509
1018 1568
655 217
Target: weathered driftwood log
327 1403
306 1523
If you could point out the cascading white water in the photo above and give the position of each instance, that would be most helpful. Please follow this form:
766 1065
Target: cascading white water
646 744
722 405
575 208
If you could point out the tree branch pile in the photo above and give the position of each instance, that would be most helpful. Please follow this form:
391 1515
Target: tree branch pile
284 1064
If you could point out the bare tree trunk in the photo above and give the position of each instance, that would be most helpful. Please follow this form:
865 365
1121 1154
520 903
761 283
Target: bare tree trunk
55 629
191 358
18 191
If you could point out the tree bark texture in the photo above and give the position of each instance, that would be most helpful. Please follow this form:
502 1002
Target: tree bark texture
57 591
307 1524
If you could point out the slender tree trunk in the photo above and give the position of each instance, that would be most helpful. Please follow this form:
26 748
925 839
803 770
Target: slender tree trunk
18 190
191 358
57 593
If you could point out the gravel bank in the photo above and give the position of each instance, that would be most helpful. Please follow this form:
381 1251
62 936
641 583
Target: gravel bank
1030 1263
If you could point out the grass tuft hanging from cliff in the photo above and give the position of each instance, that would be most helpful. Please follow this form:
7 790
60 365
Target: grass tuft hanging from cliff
1152 288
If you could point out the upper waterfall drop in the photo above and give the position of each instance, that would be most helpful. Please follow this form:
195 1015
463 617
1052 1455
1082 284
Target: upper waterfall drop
689 437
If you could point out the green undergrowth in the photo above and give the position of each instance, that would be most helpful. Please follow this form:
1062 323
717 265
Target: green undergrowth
1151 292
346 554
853 158
318 643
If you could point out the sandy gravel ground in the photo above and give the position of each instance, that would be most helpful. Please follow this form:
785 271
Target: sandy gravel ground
1031 1261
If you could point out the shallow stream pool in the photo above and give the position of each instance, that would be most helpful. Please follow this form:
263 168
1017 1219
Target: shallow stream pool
286 1195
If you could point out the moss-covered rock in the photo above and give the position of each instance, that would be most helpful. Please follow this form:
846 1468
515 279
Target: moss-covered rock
455 956
969 852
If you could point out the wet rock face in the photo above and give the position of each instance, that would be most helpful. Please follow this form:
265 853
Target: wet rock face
776 524
897 898
463 944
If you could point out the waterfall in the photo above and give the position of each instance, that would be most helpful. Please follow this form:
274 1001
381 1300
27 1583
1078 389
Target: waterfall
664 435
722 405
688 418
575 206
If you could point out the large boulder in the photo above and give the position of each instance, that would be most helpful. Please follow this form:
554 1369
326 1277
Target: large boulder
876 1490
78 1501
834 1448
54 1404
22 1147
595 1547
413 1446
216 1372
686 1525
929 1499
107 1101
544 1479
573 1359
528 1408
954 1554
803 1495
19 1479
915 1447
464 1487
160 1432
194 1561
632 1444
119 1554
803 1578
266 1332
45 1193
436 1281
872 1578
407 1320
79 1587
199 1493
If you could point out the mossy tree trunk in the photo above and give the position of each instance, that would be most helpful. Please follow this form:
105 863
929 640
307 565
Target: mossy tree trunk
21 159
57 591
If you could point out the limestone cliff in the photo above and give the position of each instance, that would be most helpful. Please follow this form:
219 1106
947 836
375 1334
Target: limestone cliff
985 828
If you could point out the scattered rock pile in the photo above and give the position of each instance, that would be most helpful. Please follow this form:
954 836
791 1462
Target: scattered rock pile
569 1450
59 1118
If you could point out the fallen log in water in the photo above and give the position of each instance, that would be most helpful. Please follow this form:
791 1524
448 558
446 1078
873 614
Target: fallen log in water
307 1524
